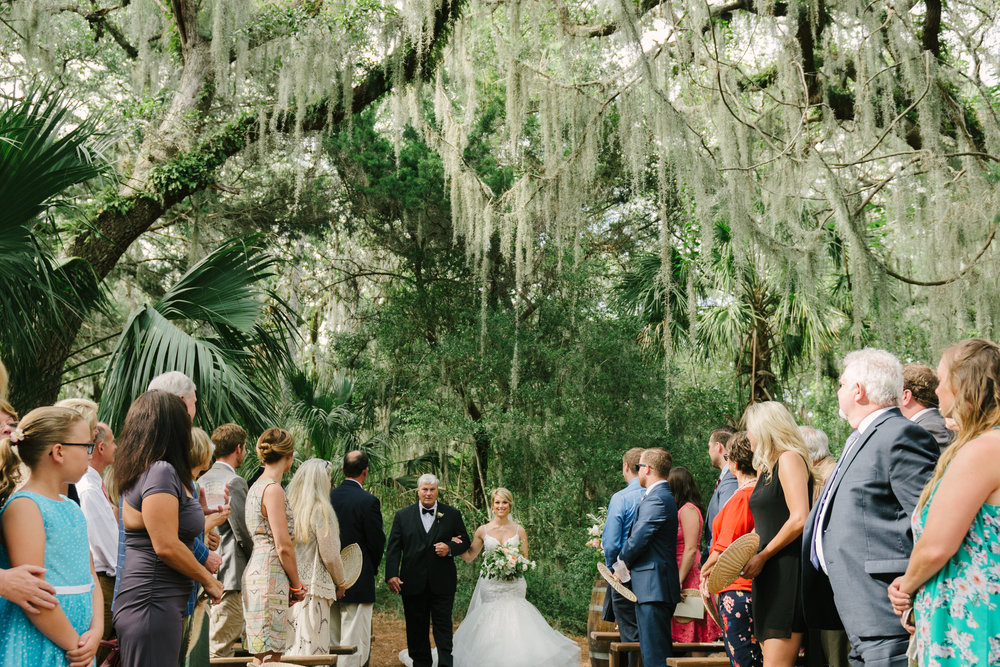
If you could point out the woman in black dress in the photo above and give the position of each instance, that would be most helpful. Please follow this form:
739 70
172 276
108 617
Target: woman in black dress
162 516
780 505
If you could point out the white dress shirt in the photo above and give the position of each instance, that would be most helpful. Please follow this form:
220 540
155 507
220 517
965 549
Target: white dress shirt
650 487
102 529
428 519
825 500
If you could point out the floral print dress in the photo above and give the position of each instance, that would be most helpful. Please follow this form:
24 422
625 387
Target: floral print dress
957 611
265 584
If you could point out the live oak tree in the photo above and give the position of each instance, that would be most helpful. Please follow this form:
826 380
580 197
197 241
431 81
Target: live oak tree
876 122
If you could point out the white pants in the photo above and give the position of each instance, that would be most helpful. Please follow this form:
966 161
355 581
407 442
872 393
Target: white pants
351 624
311 623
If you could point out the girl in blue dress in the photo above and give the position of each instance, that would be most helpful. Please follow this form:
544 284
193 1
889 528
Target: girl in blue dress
42 527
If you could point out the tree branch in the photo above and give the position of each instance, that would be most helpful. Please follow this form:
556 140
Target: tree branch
123 220
938 283
100 22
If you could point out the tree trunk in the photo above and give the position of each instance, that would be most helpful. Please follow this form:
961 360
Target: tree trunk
173 165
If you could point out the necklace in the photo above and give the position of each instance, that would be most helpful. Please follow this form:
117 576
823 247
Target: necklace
752 480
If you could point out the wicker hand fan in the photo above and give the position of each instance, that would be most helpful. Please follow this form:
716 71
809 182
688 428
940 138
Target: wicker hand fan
352 557
615 584
731 562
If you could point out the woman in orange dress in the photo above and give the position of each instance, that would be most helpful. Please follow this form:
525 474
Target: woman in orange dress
735 520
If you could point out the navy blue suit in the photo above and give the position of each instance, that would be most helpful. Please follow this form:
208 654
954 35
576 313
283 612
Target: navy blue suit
651 556
359 514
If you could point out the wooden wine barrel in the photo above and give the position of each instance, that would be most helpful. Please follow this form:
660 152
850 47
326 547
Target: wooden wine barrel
598 648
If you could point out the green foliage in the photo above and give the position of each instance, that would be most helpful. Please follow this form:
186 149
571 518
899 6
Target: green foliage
237 349
44 152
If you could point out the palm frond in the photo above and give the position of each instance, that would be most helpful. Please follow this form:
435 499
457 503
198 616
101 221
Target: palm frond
239 350
39 160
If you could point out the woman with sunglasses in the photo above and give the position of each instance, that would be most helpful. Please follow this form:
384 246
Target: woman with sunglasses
43 528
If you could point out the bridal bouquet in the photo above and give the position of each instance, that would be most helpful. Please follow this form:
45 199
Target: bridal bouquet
505 563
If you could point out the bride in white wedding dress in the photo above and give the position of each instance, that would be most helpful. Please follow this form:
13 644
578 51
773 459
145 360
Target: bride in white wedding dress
501 628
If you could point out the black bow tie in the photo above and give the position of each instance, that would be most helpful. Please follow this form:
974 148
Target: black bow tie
427 510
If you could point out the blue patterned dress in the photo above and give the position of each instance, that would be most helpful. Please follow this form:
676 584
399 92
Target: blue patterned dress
67 564
957 611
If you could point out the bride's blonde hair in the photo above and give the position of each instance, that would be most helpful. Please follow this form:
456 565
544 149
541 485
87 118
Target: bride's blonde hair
504 494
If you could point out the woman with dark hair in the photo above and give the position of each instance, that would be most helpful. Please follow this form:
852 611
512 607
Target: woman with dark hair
952 581
689 525
162 516
735 520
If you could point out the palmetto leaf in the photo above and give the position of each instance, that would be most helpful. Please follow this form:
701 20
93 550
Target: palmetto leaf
334 421
214 326
39 159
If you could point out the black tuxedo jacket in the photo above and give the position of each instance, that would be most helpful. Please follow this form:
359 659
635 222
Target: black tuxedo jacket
359 514
410 554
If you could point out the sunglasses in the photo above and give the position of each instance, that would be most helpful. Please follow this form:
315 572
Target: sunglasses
642 465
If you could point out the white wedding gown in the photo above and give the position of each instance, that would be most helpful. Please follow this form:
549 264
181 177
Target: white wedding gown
503 629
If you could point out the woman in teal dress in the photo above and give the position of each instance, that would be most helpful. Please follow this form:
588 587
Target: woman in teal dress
952 583
42 527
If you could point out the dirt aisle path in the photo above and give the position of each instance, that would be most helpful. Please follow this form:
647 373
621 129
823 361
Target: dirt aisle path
390 639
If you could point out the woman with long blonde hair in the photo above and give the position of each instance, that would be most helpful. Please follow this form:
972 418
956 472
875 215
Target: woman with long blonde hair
952 581
780 504
317 552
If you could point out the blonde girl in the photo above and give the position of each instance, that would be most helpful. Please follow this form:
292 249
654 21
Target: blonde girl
43 528
780 504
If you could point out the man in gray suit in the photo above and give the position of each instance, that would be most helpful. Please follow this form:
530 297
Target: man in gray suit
857 538
920 403
235 546
725 485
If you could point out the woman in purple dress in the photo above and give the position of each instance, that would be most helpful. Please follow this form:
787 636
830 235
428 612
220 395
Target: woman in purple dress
162 516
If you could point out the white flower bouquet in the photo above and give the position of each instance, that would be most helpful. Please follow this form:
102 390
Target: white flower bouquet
597 529
505 563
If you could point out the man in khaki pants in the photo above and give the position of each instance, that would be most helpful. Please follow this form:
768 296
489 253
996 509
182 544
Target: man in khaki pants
235 545
359 514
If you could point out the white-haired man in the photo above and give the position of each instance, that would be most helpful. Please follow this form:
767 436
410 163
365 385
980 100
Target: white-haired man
102 524
420 565
178 384
857 538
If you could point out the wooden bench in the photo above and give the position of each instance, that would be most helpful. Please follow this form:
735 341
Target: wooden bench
328 659
712 661
619 650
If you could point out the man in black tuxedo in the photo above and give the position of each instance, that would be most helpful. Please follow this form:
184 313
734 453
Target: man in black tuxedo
359 514
420 565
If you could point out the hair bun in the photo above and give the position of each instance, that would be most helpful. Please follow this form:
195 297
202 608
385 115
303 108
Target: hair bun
275 444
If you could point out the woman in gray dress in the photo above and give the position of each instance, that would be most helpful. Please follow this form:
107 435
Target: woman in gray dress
162 516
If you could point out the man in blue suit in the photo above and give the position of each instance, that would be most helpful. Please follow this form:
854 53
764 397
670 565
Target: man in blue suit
621 513
650 553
